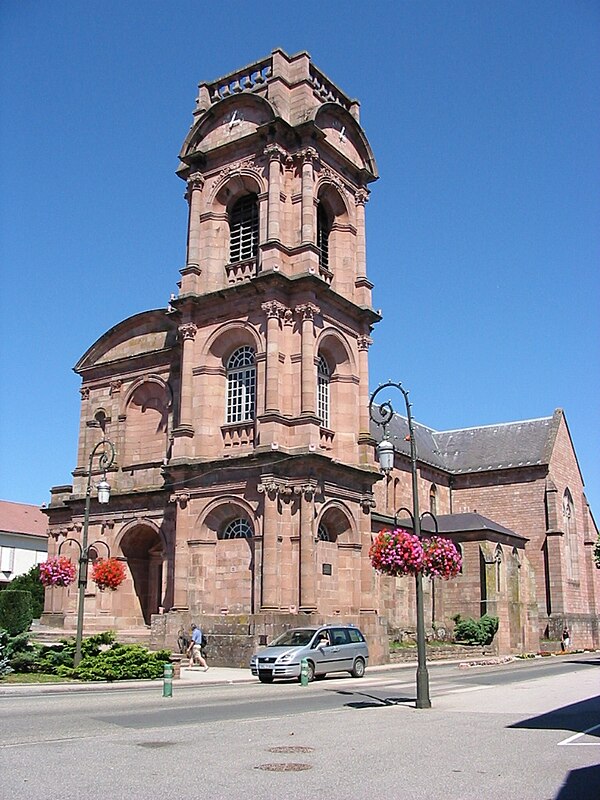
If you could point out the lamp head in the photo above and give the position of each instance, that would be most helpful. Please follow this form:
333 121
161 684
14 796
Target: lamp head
103 488
385 454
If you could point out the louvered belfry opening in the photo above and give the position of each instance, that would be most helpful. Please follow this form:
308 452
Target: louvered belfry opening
323 229
243 229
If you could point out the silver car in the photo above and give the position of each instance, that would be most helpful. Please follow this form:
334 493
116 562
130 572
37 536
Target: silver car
327 648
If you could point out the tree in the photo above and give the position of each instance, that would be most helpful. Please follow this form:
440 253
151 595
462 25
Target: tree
30 582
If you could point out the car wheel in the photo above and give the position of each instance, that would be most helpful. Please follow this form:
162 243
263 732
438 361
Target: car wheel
358 670
265 678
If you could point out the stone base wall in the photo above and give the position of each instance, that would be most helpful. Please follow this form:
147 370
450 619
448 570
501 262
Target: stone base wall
232 639
584 629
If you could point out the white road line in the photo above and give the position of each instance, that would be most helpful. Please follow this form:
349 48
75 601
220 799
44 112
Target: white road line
571 739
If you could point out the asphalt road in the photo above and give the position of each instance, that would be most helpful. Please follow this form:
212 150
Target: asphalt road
528 731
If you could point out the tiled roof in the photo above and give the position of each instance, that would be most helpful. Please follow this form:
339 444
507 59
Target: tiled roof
480 449
22 518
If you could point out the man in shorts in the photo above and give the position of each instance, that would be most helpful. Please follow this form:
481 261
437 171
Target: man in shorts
195 648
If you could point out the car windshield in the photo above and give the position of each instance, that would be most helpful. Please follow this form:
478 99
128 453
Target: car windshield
299 638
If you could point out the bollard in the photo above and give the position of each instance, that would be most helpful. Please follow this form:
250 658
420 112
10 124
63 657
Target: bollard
168 680
304 672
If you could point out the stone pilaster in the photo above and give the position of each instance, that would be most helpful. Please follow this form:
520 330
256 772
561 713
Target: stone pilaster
308 588
308 370
184 432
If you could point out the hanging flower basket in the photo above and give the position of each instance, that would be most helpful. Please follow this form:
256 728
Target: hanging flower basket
441 558
108 573
57 571
397 553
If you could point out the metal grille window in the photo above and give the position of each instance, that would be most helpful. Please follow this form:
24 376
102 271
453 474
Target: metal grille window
237 529
243 229
323 229
323 534
323 376
241 385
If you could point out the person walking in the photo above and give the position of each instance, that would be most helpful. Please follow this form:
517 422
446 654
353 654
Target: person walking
565 640
195 648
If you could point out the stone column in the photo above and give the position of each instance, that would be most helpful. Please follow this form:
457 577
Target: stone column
273 310
364 342
361 198
187 333
181 554
184 431
270 560
191 272
308 369
274 154
307 600
308 203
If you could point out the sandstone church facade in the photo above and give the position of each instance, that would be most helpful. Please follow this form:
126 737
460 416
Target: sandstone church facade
246 490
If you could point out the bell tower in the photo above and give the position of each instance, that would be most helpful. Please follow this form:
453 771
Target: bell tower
277 168
274 318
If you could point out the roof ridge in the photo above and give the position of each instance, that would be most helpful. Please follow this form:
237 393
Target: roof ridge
493 425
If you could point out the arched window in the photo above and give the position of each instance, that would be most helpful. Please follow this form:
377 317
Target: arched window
243 229
237 529
433 498
241 385
568 513
323 377
323 231
498 558
323 533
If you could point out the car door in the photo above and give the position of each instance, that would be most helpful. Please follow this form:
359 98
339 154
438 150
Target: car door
342 650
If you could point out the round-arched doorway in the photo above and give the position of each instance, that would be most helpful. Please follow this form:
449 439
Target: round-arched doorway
144 551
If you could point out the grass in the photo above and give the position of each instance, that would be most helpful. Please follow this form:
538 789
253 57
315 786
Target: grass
32 677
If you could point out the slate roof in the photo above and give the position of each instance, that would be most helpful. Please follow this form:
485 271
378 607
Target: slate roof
462 523
479 449
22 518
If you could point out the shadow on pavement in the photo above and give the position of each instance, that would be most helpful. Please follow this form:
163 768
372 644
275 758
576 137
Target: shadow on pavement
373 701
577 717
581 784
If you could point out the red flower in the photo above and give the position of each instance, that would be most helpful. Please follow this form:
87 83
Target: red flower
108 573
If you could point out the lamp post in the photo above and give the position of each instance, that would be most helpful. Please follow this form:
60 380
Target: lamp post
385 453
106 456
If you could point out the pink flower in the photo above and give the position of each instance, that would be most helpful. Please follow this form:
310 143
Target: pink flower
57 571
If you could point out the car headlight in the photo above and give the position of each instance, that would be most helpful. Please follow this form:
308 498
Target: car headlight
253 660
284 658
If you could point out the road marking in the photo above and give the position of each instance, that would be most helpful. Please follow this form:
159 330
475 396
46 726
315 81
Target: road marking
571 739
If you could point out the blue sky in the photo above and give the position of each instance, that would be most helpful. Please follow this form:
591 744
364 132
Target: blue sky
483 230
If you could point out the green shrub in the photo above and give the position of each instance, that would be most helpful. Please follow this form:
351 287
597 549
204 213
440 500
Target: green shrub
15 611
30 582
475 632
5 667
120 662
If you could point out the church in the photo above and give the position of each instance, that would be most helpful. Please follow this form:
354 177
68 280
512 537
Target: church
246 491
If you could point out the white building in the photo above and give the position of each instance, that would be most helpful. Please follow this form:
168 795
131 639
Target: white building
23 539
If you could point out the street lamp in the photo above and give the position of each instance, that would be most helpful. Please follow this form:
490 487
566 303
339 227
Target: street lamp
385 454
106 456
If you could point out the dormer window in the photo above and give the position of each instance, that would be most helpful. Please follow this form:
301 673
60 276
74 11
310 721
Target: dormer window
243 229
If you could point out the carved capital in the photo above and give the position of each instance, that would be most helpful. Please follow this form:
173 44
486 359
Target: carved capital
309 155
187 331
364 342
275 153
115 386
361 196
181 498
84 392
367 502
273 308
307 311
195 181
